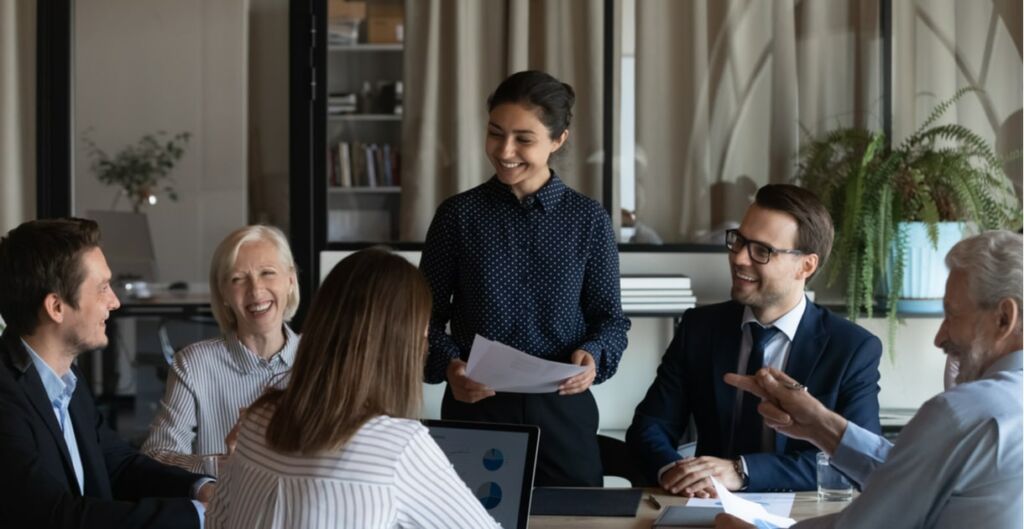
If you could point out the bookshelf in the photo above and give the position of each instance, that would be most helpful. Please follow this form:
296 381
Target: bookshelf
363 133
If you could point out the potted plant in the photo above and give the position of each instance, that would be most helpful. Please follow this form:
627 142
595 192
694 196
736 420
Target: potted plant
141 170
882 198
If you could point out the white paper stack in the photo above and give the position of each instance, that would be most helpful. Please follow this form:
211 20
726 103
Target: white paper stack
647 294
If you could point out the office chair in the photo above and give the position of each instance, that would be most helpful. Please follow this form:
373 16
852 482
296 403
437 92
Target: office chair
618 462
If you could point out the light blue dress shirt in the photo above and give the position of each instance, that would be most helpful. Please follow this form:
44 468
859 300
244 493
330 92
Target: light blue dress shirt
59 391
958 462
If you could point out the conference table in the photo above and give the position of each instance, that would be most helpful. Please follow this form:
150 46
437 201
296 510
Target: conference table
805 505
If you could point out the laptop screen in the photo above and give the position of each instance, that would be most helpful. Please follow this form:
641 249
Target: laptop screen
497 462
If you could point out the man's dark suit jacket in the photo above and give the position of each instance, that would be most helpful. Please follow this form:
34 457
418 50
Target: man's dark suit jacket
836 360
38 488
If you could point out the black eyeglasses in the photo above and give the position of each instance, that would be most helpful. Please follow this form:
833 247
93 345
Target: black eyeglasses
759 252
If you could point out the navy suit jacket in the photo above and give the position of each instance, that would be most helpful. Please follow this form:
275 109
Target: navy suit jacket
38 488
836 360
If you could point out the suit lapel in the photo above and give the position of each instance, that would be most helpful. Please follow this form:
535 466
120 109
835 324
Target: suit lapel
725 348
808 344
32 385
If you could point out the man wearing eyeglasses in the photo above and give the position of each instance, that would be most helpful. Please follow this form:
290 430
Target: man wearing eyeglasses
784 239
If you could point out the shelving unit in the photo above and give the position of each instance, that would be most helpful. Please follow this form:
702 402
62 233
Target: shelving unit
364 146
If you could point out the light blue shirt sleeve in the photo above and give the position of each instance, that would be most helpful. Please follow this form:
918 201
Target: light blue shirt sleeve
198 505
860 452
201 511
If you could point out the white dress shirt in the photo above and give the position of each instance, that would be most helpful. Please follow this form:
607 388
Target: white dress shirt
391 473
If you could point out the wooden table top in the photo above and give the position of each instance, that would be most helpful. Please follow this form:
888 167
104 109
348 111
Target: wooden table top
805 505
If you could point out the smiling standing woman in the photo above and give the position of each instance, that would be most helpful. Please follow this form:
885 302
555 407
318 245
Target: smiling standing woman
253 292
527 261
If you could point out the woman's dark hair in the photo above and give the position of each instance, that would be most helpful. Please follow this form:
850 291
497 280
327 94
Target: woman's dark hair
361 355
538 89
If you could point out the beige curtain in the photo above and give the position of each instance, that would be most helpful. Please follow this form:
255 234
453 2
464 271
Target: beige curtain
941 46
457 52
17 112
723 89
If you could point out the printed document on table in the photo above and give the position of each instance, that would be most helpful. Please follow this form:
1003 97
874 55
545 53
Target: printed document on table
504 368
747 511
777 503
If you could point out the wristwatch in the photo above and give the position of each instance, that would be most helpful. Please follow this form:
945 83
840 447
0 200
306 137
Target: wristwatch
737 465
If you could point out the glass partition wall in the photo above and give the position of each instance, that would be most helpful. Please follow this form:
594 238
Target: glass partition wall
706 101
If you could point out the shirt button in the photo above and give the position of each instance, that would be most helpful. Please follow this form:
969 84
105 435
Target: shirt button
528 201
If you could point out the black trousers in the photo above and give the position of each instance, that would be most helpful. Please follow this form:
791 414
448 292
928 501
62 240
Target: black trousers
568 455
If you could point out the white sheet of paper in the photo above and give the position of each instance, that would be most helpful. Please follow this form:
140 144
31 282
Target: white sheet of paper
747 511
777 503
505 368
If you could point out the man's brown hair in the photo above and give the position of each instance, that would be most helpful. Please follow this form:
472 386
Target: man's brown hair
38 258
815 231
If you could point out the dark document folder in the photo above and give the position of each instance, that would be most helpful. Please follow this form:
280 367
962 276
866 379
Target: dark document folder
570 501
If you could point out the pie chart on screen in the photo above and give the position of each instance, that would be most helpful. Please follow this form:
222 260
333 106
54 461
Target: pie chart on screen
493 459
489 495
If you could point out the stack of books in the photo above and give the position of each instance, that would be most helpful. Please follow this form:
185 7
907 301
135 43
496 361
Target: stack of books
341 103
656 294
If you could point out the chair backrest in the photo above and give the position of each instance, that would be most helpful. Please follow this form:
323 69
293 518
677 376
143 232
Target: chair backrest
617 461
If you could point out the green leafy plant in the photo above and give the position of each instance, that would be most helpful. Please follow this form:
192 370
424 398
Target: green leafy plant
941 172
141 170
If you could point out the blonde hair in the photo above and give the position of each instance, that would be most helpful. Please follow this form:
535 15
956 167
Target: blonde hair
361 355
224 259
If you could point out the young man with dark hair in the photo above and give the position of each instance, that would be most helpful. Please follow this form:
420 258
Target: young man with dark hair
783 241
62 466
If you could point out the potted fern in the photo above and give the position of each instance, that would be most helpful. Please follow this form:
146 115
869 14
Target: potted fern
939 181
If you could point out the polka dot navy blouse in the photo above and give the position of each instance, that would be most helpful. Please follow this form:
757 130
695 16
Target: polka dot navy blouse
541 275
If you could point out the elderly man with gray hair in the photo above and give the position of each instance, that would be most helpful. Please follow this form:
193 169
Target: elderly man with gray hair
958 462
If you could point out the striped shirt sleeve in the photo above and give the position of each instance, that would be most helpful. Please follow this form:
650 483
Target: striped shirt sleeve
172 435
430 493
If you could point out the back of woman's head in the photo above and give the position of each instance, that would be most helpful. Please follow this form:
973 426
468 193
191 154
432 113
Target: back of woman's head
361 354
553 98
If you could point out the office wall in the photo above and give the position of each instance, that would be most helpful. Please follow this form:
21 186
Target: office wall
142 66
908 379
17 112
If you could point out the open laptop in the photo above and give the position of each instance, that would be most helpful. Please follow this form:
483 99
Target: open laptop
497 462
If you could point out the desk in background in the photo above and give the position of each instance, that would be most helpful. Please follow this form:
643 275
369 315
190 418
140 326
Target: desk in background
163 306
806 505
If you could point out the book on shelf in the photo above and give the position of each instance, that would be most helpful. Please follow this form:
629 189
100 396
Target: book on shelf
636 300
648 293
341 103
654 282
344 164
359 178
639 308
357 164
371 164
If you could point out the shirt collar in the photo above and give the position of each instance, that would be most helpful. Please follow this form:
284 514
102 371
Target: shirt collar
248 360
1010 362
788 323
547 196
57 388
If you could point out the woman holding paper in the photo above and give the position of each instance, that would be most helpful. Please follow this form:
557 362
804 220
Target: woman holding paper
528 262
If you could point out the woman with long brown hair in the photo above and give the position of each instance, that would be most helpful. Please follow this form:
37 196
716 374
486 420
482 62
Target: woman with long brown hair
336 448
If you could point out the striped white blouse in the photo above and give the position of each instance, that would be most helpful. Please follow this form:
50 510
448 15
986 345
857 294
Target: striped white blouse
207 384
391 473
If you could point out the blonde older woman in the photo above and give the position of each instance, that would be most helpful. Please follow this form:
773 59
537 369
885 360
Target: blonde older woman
253 293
